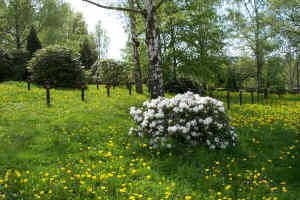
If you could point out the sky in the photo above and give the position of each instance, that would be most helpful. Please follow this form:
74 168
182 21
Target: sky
111 21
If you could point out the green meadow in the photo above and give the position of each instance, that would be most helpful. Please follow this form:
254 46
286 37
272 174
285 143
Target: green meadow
76 150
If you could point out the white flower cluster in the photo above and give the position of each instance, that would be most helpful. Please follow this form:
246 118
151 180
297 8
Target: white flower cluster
186 118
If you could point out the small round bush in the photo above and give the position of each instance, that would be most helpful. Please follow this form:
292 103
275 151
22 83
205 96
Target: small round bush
185 119
56 63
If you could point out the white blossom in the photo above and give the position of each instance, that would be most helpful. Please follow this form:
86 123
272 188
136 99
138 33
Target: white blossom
186 115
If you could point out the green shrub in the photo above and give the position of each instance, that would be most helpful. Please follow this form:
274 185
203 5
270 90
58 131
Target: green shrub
110 71
56 63
182 85
5 65
20 58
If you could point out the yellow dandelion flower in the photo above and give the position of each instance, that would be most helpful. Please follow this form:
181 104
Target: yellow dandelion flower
284 189
227 187
187 197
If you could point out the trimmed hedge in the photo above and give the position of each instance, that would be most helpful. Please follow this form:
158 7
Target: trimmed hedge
56 63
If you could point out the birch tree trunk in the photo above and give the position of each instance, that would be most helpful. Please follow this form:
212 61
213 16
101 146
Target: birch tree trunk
135 46
297 74
153 44
152 41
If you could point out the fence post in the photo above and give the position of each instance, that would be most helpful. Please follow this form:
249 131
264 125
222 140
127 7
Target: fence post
28 84
129 86
54 82
97 82
228 100
108 89
82 92
266 94
241 98
48 93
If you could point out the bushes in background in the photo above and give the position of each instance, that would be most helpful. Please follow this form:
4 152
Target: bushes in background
56 63
181 85
13 65
5 65
110 71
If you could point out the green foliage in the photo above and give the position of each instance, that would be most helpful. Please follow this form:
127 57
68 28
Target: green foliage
181 85
88 56
16 18
102 40
110 72
33 42
20 57
5 66
56 63
13 64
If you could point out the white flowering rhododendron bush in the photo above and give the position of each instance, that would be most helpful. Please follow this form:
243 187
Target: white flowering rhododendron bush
187 118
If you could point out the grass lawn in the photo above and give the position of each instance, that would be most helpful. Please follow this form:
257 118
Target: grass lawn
81 150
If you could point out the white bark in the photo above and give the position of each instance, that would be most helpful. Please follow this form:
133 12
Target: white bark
153 44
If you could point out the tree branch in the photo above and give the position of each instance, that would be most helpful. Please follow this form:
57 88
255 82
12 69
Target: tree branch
160 3
114 8
137 2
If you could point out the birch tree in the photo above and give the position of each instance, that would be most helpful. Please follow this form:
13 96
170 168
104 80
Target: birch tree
135 47
149 12
102 41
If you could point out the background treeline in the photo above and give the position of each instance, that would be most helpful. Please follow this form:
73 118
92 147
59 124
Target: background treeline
29 25
232 44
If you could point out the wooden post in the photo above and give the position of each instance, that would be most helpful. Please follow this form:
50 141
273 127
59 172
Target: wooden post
28 84
48 93
54 84
266 94
97 82
252 97
129 86
241 97
108 89
228 100
82 92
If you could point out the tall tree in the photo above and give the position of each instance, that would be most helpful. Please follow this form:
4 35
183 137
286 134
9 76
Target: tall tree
194 38
33 42
87 54
254 28
102 40
16 21
135 47
149 12
287 15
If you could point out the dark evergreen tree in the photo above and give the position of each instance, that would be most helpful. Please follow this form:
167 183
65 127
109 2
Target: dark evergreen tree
33 42
88 55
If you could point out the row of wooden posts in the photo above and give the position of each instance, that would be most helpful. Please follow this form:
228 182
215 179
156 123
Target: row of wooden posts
129 86
228 99
83 87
